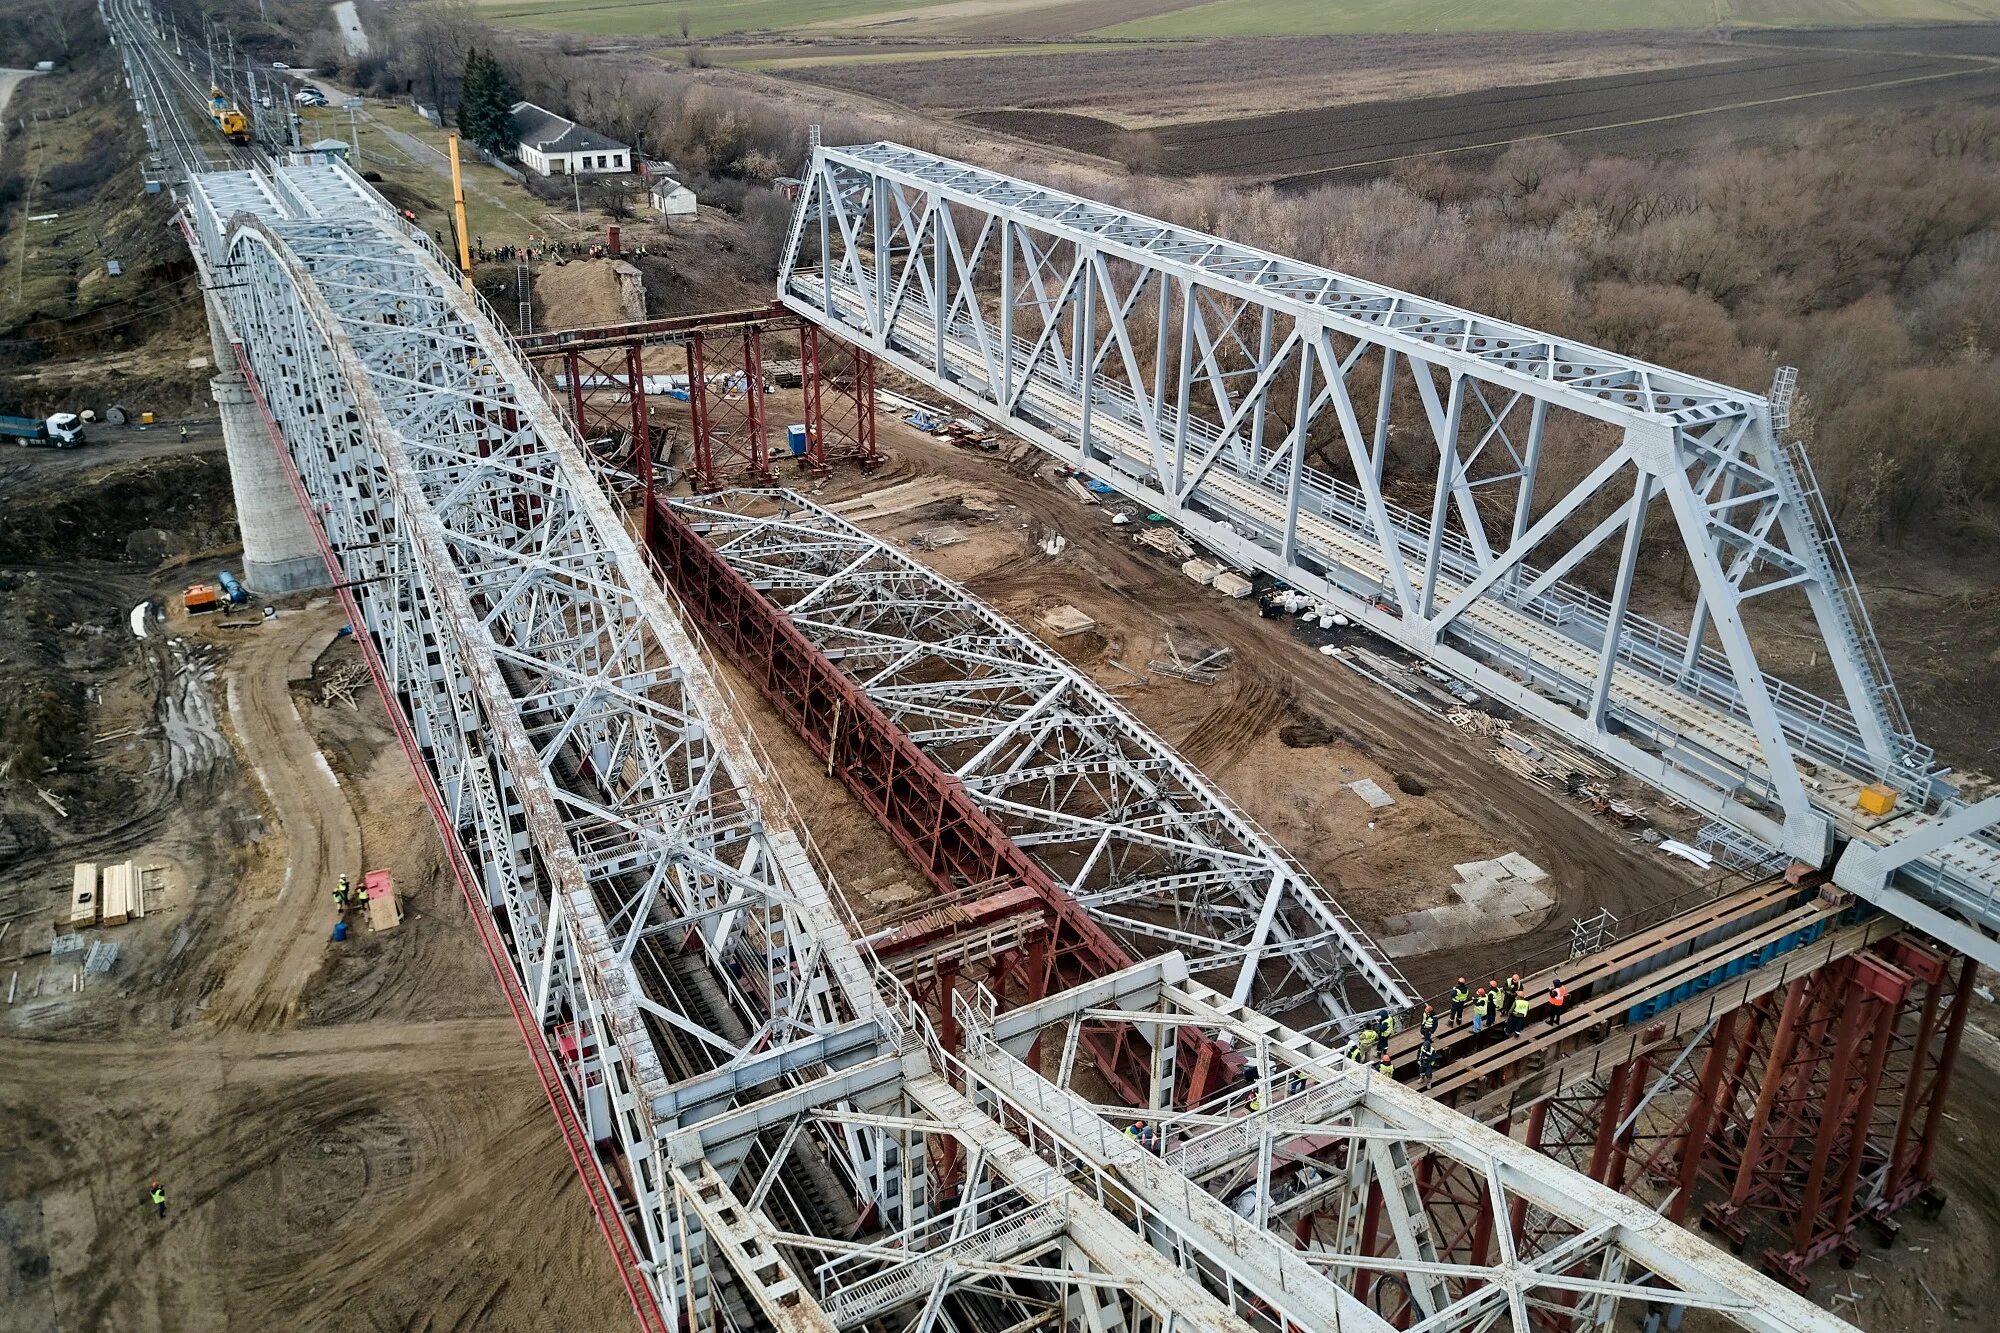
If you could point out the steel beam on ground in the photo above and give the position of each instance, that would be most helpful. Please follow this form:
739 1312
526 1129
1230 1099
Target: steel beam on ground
1127 826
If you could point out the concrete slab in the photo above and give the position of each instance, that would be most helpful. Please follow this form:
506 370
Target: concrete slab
1369 790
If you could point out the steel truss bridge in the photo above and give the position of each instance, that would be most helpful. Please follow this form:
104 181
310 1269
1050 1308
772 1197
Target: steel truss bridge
1257 401
772 1132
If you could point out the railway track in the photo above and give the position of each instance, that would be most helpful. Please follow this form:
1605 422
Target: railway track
174 100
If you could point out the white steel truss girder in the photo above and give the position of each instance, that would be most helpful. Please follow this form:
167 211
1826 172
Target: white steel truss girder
1328 1130
1253 399
1107 807
593 778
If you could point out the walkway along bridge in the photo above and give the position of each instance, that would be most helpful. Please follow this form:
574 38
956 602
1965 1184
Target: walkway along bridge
772 1132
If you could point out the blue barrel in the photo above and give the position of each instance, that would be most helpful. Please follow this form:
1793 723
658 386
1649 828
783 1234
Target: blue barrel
231 589
339 931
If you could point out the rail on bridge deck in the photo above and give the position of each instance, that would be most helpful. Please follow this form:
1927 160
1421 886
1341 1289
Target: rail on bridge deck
1255 400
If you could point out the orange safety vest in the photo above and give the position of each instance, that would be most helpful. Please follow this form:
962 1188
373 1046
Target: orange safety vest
1559 996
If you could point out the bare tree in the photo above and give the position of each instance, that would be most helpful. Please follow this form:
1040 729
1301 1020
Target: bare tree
431 42
616 197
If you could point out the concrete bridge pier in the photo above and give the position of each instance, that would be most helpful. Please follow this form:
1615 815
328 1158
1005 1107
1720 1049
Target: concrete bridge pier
279 553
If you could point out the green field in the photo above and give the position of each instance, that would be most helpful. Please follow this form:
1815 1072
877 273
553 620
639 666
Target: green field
991 20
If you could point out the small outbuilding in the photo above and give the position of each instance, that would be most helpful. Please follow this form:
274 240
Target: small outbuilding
670 198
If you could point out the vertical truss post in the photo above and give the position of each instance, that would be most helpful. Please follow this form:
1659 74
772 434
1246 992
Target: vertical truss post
1708 1095
1947 1058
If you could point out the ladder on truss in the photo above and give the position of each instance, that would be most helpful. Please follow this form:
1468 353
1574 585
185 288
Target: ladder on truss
1828 559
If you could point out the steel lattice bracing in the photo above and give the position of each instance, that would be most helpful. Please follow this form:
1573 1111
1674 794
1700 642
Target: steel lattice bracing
1340 1189
776 1137
1255 400
1136 834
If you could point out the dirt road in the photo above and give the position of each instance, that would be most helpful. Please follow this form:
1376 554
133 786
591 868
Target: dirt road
284 909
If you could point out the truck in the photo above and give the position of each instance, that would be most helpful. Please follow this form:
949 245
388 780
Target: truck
62 430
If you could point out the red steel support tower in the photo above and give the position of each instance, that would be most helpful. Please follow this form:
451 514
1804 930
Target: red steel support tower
838 381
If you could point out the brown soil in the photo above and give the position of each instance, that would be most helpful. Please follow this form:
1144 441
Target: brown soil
1137 87
349 1136
581 293
1640 113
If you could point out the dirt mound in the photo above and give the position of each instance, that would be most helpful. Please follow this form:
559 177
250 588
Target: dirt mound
588 291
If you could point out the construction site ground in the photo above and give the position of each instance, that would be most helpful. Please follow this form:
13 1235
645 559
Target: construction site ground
350 1136
1282 732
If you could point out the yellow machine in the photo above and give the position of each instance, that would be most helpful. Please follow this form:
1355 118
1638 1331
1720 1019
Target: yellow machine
235 126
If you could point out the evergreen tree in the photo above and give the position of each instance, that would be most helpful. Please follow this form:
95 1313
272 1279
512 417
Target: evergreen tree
485 106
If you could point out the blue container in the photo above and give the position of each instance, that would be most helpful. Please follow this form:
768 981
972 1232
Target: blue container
231 589
339 931
796 437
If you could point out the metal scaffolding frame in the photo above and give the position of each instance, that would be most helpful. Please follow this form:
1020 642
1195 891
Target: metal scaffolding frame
1135 833
1253 399
772 1134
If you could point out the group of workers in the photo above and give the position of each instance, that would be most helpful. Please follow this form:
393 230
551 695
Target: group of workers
1497 1004
345 895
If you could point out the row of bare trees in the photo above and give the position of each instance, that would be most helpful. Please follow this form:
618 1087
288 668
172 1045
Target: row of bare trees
1864 251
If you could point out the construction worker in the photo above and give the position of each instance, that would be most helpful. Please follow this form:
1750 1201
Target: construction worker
1518 1016
1427 1059
158 1198
1460 997
1136 1131
1508 990
184 433
1371 1037
1296 1084
1354 1052
1386 1067
1558 997
1482 1009
1427 1022
1385 1028
340 896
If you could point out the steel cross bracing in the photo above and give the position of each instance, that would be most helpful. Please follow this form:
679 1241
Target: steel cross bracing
1141 838
1330 1184
1256 400
776 1134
